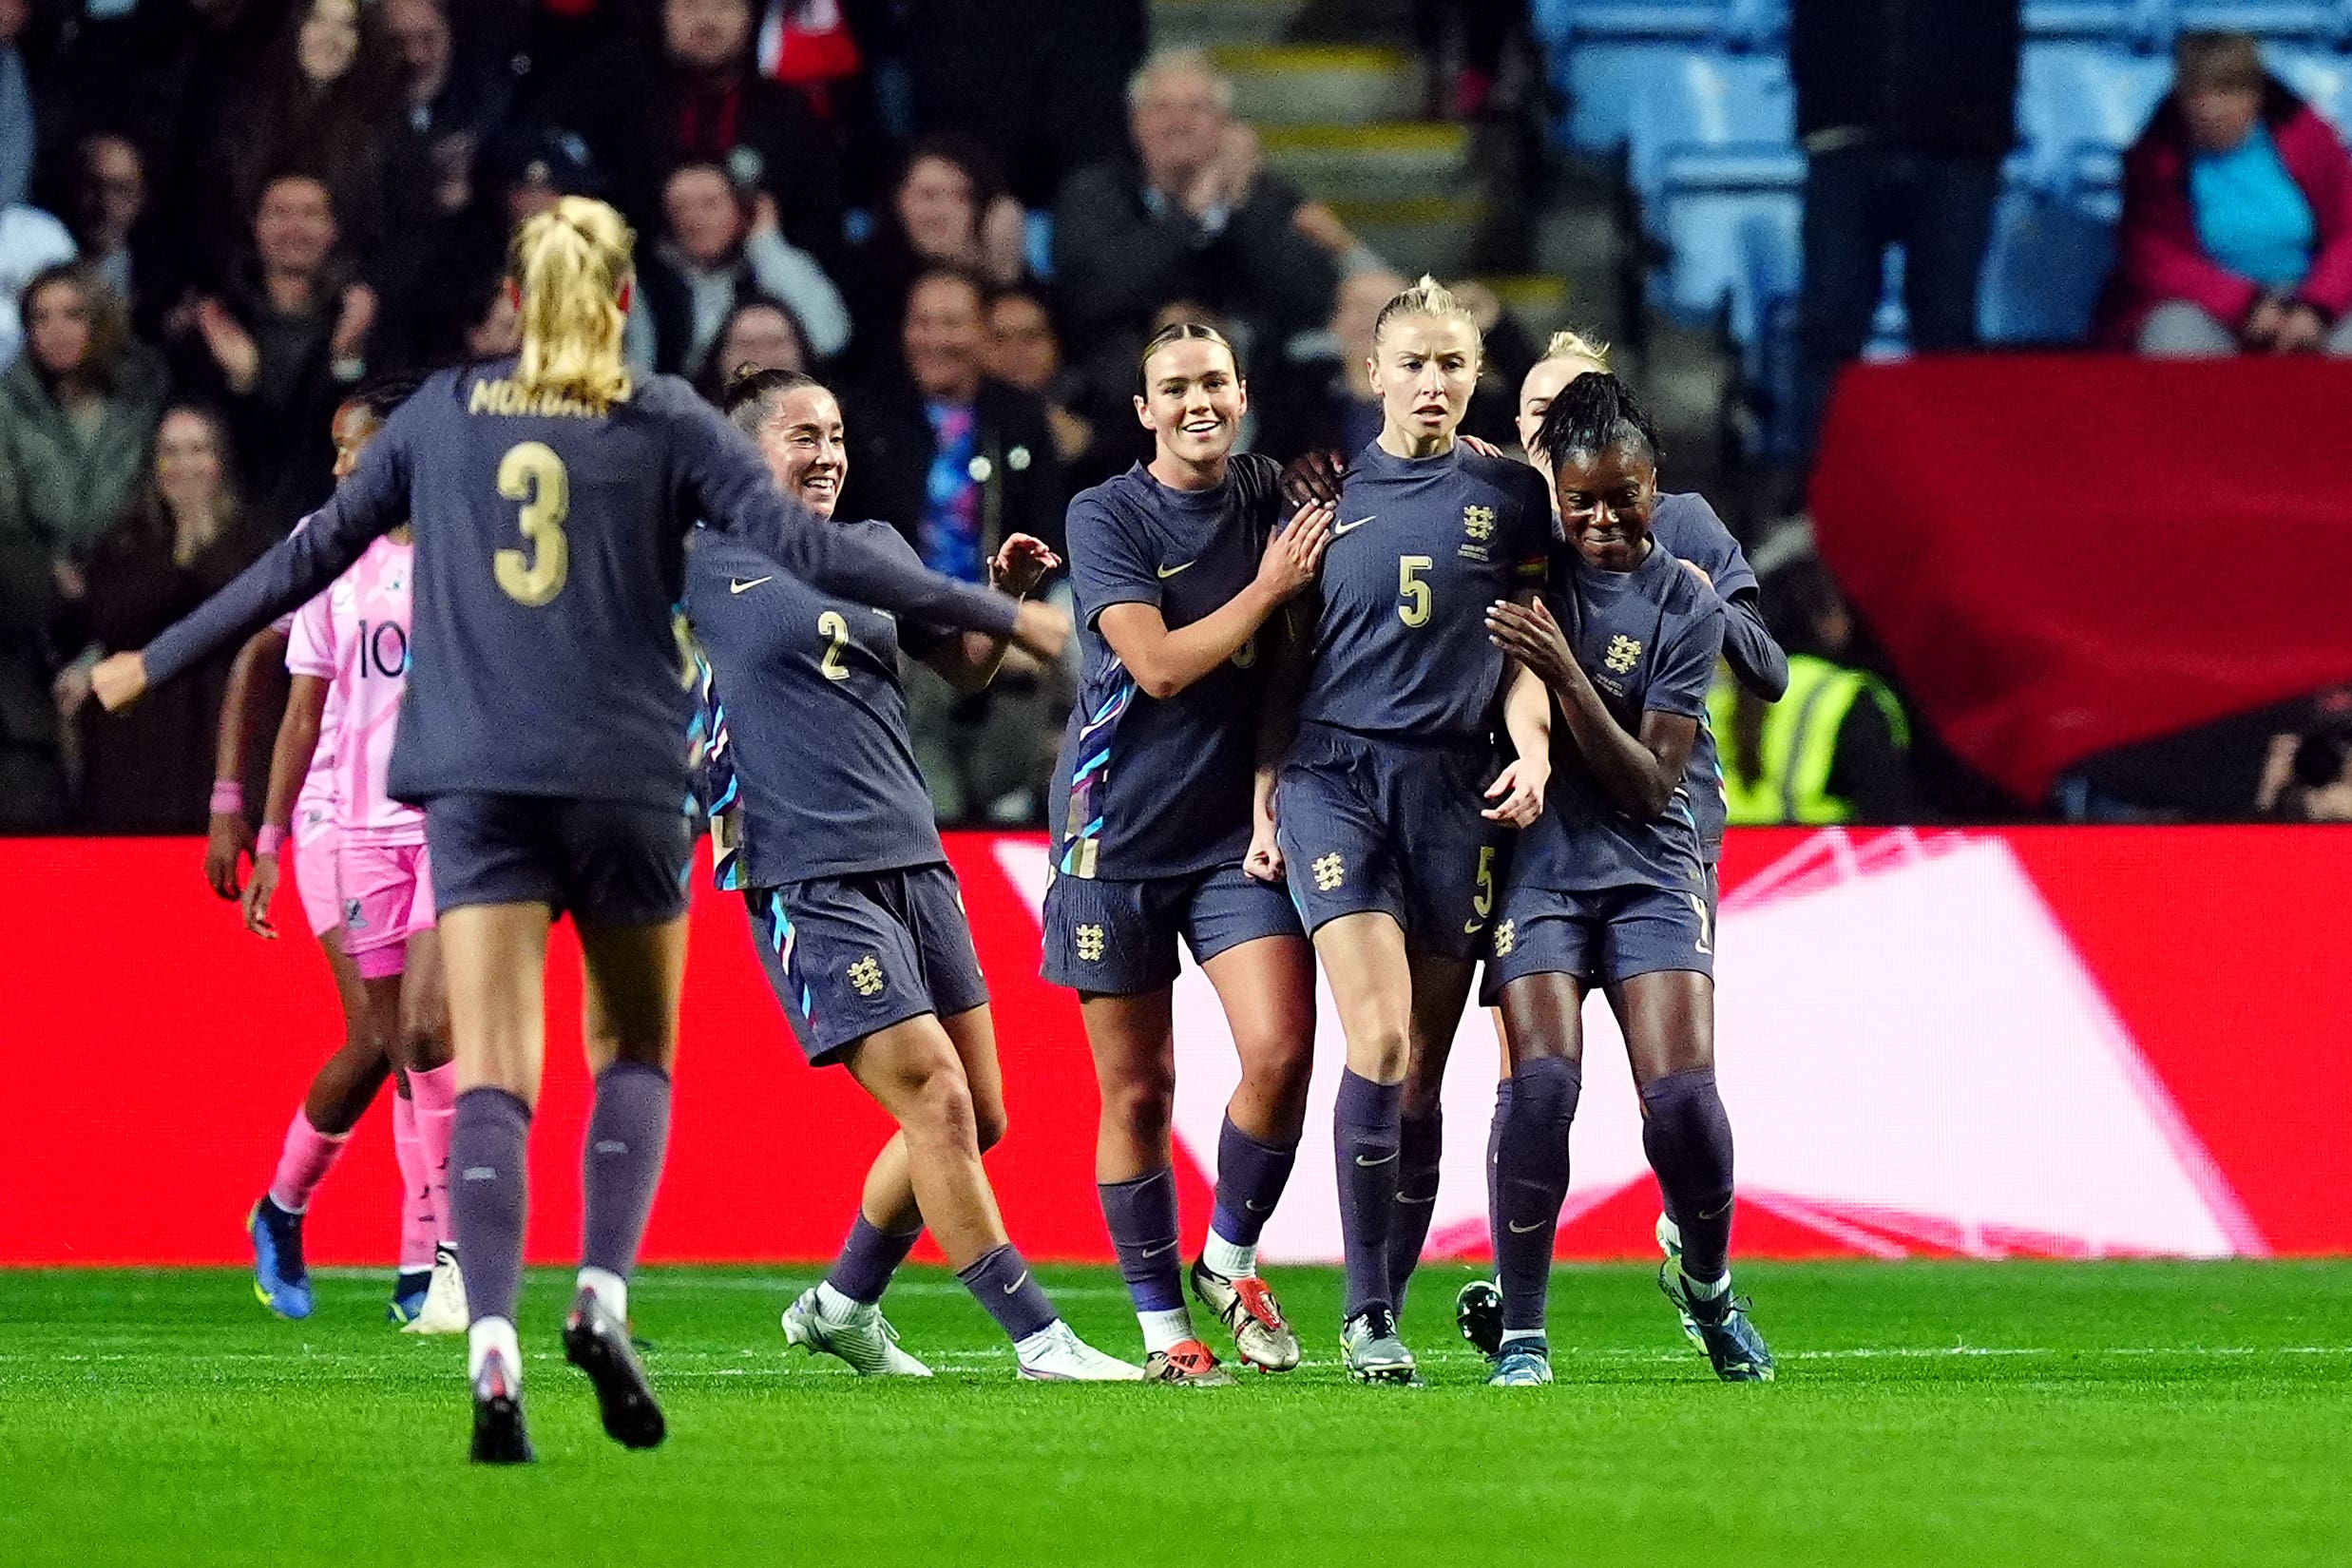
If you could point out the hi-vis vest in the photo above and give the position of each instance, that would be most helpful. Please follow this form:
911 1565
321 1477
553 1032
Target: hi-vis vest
1800 742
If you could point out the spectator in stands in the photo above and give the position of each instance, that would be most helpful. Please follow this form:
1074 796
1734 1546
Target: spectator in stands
703 101
948 208
77 413
107 211
1906 109
30 240
2237 217
33 775
957 461
1194 215
281 346
721 243
148 770
760 331
16 124
1836 748
1322 400
323 106
444 108
1024 351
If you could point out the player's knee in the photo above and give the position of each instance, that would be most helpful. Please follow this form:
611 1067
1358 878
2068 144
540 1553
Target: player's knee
1144 1103
937 1106
1276 1067
1380 1049
989 1123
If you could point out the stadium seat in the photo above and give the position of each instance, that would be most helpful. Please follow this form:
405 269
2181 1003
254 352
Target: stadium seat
2301 21
2131 24
1567 23
1602 82
1729 218
2077 96
2048 261
2323 80
1743 103
1605 53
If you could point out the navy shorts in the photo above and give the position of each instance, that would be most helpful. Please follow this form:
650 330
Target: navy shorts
851 955
1119 938
1369 823
1601 938
606 862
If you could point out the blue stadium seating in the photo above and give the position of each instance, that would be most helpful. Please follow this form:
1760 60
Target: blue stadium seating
2323 80
2072 95
2043 272
2129 24
2301 21
1605 52
1706 100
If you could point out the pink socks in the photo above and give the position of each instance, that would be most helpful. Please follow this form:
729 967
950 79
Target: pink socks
417 1228
434 1095
303 1163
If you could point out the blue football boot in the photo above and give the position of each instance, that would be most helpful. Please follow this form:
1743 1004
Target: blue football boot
280 1282
1522 1363
408 1297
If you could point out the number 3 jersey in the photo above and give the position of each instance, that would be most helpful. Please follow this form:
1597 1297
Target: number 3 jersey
1420 546
809 770
355 638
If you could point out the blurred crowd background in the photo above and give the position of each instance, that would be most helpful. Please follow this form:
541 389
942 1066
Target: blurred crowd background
217 217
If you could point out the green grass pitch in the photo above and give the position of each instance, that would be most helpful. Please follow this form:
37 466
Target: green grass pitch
1928 1413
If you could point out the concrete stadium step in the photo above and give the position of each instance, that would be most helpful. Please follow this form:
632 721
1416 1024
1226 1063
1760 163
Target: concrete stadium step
1320 83
1419 234
1371 163
1541 303
1208 24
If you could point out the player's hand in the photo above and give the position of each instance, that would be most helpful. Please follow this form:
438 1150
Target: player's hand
70 690
1264 861
353 322
230 345
2263 325
1295 555
1532 638
120 681
1021 563
1483 447
1042 629
2301 332
1518 791
1313 476
228 841
257 896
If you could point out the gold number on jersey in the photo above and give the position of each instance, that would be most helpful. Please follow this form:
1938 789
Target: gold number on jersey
532 475
832 624
1415 610
1485 903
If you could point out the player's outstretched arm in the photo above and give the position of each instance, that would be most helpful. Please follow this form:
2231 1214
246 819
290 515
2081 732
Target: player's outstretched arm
228 838
970 660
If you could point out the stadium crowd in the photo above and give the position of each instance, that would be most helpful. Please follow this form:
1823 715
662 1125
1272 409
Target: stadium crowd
218 217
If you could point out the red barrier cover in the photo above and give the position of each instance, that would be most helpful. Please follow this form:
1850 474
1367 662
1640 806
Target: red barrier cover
2068 554
2055 1042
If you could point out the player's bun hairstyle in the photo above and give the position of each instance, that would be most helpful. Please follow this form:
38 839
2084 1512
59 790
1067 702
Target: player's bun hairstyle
1568 343
1592 414
1183 332
1434 300
381 394
571 263
752 394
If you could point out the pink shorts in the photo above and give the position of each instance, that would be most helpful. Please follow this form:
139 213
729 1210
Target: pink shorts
315 840
387 899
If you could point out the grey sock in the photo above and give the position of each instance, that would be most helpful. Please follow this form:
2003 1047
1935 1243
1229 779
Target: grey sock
868 1258
1531 1180
1141 1215
1001 1283
1421 1146
629 1133
489 1188
1250 1178
1688 1140
1366 1138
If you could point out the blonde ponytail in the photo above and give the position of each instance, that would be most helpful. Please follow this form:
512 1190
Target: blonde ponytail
1570 344
571 263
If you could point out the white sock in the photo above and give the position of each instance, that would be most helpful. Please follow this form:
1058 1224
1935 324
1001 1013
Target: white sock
1026 1351
1228 1259
609 1287
493 1334
1165 1331
1705 1290
835 1307
1510 1335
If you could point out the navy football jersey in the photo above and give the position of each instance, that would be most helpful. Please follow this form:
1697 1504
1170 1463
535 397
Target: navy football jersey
551 553
1648 639
1687 528
1153 787
1420 546
811 769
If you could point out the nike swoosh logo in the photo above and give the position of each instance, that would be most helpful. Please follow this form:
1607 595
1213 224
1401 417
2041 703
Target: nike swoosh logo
738 586
1163 1247
1519 1230
1255 1207
1472 927
1019 1283
1171 571
1719 1212
1402 1197
1338 528
1383 1159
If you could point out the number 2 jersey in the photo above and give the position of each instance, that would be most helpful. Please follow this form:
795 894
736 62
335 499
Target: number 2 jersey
550 551
356 636
1419 548
811 769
